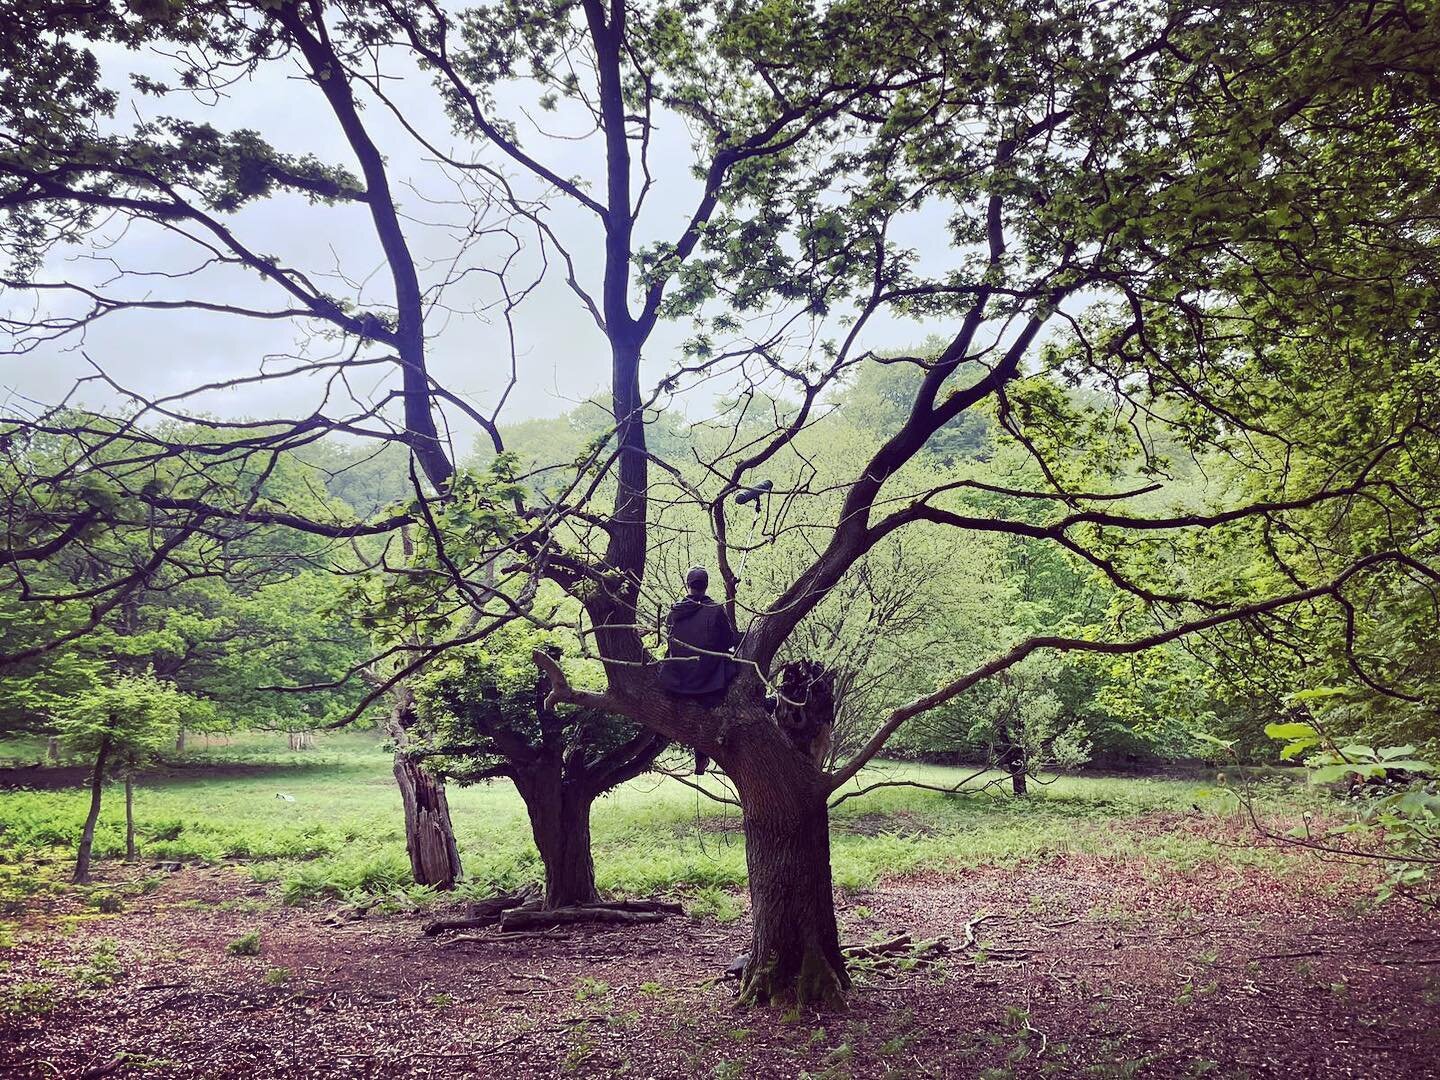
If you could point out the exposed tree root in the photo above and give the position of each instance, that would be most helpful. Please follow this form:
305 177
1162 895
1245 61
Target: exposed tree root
665 907
902 949
902 946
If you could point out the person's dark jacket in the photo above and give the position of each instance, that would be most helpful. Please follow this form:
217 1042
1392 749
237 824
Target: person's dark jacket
698 630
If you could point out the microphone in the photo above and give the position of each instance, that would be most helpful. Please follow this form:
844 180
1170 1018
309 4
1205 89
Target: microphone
752 494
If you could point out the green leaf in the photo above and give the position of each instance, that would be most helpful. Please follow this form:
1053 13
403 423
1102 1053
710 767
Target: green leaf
1292 731
1359 750
1296 748
1387 753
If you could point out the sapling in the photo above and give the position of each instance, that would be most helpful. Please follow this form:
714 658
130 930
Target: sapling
123 723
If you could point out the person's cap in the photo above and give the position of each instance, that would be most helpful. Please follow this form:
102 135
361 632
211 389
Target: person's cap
697 577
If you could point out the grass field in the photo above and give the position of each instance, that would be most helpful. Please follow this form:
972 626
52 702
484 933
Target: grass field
340 834
1102 927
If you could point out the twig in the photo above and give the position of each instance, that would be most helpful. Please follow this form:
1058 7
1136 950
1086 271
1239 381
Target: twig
1054 927
492 938
970 929
1288 955
96 1071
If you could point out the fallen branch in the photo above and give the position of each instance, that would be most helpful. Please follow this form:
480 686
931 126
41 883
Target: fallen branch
531 919
491 939
524 911
485 912
1054 927
897 944
667 907
901 949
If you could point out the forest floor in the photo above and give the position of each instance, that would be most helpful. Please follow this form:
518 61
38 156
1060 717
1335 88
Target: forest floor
1154 941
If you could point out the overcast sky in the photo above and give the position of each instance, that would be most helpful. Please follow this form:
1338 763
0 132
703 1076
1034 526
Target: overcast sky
562 358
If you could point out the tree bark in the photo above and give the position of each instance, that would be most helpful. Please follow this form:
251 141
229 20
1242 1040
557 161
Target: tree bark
129 816
87 836
180 741
560 824
52 750
1012 760
795 951
429 834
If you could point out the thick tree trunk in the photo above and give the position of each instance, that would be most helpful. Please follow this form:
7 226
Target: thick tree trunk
129 816
560 824
180 741
87 836
795 942
52 750
429 834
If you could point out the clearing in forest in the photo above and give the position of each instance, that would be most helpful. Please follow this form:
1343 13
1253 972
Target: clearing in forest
1104 927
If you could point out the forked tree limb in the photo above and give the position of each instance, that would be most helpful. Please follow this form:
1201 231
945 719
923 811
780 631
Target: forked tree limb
562 692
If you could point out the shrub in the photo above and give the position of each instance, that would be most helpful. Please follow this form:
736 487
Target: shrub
348 878
246 945
107 903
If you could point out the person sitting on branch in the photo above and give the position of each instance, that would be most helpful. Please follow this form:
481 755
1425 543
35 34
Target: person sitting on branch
700 638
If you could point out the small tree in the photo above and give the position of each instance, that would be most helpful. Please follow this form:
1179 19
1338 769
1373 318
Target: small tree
122 722
491 720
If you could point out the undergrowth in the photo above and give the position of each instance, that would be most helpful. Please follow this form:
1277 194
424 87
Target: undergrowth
336 833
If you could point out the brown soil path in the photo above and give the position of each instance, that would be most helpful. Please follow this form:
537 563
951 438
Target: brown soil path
1084 967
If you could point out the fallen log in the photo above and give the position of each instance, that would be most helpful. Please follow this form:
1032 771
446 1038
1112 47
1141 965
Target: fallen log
665 906
485 912
535 919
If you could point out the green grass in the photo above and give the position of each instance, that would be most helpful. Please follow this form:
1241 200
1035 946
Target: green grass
245 945
340 834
